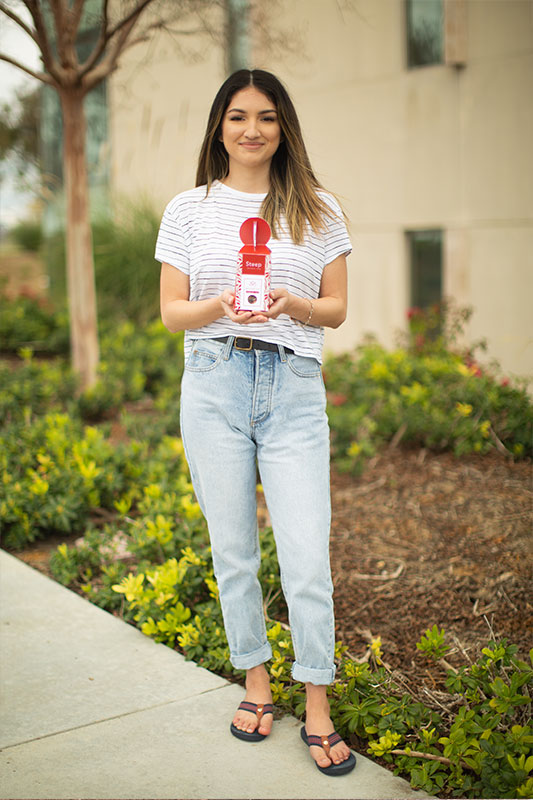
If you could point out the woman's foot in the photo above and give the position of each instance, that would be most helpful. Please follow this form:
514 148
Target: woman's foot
318 723
257 692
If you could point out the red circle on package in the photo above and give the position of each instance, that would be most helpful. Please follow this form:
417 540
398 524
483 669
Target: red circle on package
255 228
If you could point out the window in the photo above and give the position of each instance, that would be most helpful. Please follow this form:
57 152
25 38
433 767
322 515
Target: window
425 32
425 259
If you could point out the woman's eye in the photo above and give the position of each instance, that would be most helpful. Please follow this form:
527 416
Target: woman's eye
269 119
236 119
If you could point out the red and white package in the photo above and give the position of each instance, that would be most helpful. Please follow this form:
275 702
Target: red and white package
252 282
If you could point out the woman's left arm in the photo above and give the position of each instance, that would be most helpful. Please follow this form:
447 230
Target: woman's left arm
329 309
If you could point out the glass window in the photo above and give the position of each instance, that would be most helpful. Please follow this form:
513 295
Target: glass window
425 32
425 257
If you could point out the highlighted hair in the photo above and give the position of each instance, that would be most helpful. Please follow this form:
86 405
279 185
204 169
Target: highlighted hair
293 185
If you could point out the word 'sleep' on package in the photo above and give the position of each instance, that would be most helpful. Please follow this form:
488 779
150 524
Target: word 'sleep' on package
252 283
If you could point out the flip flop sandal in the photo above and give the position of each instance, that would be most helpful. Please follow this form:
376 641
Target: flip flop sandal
259 711
327 742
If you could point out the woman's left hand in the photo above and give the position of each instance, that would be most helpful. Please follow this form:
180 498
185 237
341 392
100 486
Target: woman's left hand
280 303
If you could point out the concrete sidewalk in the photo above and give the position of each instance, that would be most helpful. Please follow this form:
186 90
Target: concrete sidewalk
91 708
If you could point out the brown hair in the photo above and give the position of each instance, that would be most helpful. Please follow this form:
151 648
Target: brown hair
293 184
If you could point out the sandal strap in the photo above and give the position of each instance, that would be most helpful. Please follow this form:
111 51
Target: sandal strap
257 709
326 742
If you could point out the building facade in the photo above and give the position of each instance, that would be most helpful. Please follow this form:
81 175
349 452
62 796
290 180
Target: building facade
417 114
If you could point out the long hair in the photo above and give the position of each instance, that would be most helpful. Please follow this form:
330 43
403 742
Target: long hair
293 185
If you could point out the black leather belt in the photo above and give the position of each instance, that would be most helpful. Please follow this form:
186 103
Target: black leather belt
245 343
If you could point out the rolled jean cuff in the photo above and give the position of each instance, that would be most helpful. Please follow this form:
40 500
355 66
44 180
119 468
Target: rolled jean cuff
253 659
319 677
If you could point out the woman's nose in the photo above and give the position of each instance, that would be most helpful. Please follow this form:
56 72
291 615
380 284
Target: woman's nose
251 130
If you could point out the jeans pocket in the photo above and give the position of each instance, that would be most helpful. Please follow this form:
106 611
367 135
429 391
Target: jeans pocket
204 356
304 366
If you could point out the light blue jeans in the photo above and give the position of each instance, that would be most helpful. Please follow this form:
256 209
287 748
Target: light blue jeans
239 409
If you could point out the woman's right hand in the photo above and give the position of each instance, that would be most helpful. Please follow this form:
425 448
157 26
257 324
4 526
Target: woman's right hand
227 299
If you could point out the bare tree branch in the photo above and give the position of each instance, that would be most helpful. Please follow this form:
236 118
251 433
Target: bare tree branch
134 14
77 12
49 62
107 34
66 33
59 13
100 46
11 14
44 77
120 34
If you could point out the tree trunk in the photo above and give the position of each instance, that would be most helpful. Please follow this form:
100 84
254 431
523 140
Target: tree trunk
80 263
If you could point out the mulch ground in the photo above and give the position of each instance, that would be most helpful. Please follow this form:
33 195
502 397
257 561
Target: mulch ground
422 539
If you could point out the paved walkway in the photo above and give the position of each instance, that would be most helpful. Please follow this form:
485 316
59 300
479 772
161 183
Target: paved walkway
91 708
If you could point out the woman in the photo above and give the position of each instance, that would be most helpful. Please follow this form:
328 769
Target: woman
252 391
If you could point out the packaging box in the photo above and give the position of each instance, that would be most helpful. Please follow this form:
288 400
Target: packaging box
252 282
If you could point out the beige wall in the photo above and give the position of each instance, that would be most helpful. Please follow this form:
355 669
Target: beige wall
158 104
432 147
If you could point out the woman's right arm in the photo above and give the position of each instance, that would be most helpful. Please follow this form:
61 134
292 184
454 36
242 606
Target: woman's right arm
179 313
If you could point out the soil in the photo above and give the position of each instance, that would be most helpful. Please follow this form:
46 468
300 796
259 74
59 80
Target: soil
21 273
422 539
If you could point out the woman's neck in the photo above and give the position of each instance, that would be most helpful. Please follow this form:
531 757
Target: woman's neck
252 181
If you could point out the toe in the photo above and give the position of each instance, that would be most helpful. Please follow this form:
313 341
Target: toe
320 757
340 753
266 725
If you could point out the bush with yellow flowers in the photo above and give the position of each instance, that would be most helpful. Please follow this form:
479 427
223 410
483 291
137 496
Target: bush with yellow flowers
435 396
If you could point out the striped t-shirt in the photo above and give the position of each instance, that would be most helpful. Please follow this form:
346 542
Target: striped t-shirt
199 235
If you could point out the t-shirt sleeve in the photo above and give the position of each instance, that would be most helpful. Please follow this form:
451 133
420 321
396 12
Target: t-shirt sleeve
173 238
337 240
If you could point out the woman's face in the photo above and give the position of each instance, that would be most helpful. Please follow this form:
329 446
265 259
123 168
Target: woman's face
250 129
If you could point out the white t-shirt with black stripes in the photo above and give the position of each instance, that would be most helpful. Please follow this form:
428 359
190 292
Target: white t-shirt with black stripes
199 235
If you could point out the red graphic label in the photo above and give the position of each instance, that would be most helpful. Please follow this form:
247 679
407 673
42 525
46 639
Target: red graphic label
252 284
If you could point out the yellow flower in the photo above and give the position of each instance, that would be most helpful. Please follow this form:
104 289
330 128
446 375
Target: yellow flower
485 428
175 444
153 490
375 648
131 586
385 743
415 393
466 371
379 370
39 486
354 449
190 509
464 409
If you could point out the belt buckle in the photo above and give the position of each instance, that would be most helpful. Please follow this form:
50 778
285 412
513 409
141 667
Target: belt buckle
243 338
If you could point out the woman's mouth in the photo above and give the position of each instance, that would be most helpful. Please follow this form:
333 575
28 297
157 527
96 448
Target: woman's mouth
251 145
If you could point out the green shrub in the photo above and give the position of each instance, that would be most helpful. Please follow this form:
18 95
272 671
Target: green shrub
54 473
436 401
429 392
34 388
28 235
31 321
126 273
135 362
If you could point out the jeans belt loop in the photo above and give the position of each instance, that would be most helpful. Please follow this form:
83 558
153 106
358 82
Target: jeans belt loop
228 348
